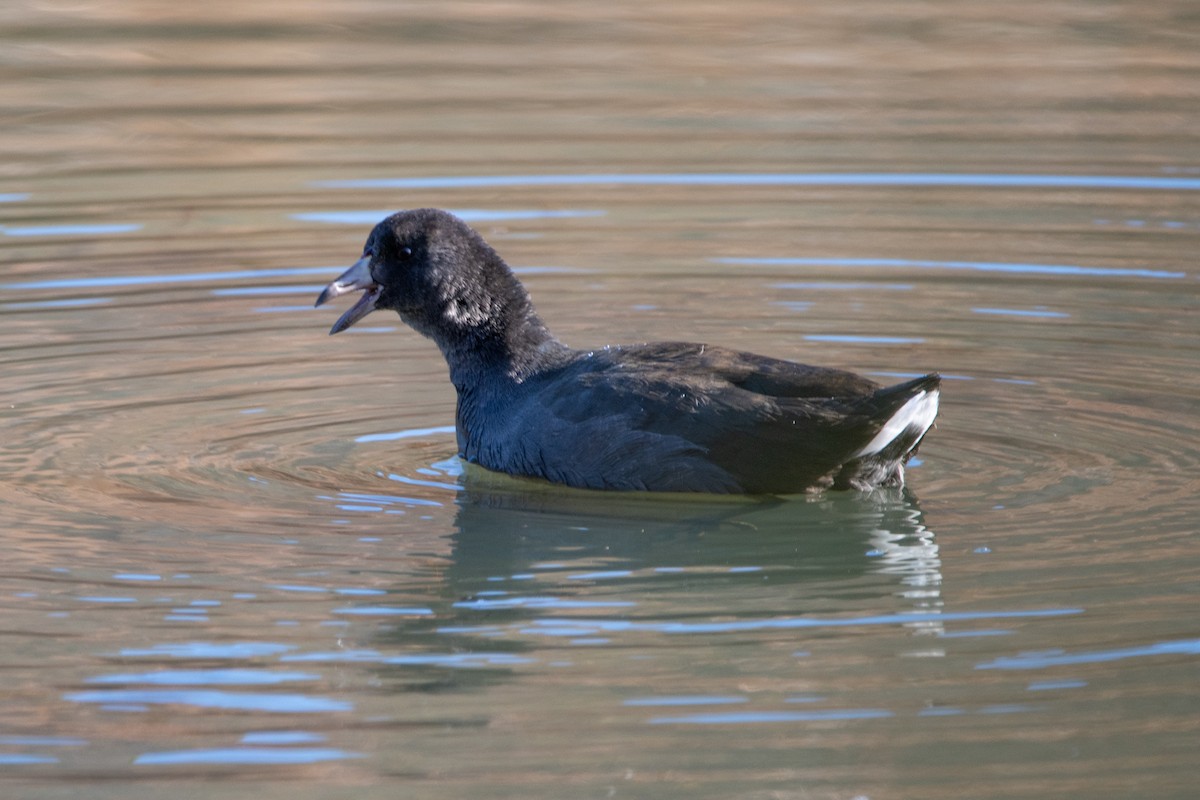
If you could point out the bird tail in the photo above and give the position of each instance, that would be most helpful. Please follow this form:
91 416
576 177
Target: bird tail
903 413
896 420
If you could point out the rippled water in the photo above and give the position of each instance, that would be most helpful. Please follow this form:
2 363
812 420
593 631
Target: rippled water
241 556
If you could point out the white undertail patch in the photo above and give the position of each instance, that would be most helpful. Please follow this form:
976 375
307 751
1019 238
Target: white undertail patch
918 412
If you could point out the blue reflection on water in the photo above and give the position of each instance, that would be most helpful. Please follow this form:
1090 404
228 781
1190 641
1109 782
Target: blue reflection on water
415 501
551 270
978 266
412 433
206 677
24 758
70 230
207 650
1053 659
14 197
247 755
387 500
467 214
156 280
366 330
209 698
282 309
383 611
74 302
785 623
252 291
601 575
488 603
777 179
1044 686
566 633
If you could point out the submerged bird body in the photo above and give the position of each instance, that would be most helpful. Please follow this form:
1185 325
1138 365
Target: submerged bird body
669 416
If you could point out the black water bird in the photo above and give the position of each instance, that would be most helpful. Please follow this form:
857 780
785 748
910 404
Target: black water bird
664 417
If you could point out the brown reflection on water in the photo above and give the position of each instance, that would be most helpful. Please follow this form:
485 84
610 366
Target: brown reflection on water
322 87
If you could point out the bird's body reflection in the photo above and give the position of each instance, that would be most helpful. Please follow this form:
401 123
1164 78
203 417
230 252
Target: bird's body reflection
749 553
534 572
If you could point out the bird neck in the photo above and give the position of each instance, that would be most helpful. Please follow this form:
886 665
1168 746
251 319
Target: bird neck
486 325
511 344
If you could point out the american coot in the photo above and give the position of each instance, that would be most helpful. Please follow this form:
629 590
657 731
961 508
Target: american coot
666 417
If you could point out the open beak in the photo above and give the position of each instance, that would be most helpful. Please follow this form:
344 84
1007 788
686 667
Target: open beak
358 277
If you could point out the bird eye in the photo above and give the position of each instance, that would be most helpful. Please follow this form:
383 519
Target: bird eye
406 251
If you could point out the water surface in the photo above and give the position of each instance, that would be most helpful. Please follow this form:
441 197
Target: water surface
242 557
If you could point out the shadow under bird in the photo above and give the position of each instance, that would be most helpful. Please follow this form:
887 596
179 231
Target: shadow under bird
663 417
